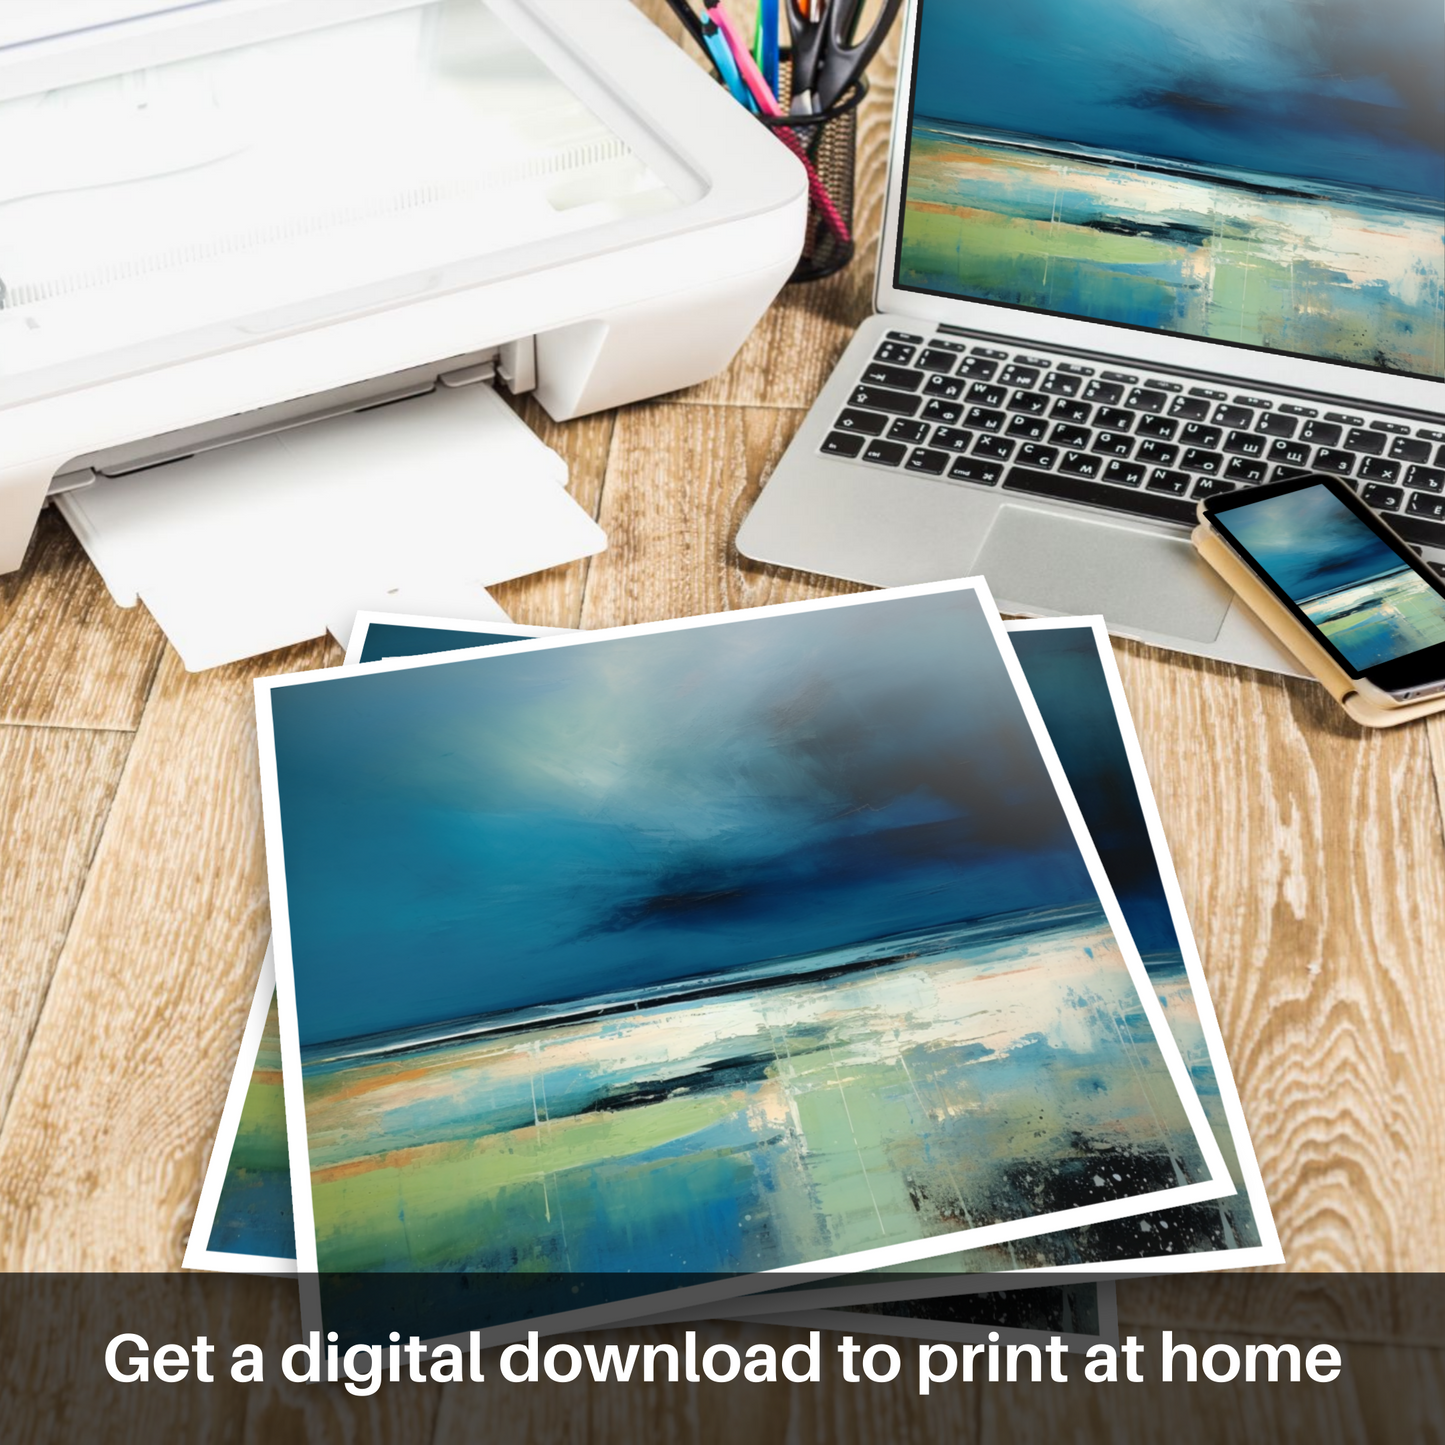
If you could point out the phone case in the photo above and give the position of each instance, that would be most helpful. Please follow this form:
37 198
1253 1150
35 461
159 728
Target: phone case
1369 710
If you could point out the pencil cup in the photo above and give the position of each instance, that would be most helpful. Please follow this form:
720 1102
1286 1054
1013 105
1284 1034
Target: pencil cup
826 143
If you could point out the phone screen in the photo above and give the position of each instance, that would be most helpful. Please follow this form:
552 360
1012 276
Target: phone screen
1369 603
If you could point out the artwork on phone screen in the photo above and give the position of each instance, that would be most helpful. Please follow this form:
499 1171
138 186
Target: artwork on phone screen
1369 603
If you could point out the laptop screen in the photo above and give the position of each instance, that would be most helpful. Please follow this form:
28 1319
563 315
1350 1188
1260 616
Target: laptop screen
1264 173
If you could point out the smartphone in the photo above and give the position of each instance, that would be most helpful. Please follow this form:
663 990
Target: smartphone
1368 600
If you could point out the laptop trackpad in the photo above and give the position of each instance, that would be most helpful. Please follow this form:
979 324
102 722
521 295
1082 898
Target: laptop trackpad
1039 559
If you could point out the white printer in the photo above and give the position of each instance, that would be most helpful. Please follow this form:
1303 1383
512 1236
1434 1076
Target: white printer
223 220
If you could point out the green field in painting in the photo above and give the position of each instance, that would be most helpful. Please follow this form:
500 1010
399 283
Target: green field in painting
253 1213
1380 618
1348 275
970 1082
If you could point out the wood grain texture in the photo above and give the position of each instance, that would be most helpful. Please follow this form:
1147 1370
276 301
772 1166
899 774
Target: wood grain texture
56 786
1361 1308
53 1389
1401 1394
53 1334
278 1412
680 481
102 1150
705 1413
1435 733
554 598
1376 1399
1312 863
69 657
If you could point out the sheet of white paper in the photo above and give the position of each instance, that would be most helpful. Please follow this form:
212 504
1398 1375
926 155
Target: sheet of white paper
418 506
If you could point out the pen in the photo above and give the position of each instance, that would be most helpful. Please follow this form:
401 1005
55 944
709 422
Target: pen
708 39
767 103
816 189
724 56
748 70
765 42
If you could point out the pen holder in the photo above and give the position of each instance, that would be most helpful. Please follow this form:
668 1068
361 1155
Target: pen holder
827 144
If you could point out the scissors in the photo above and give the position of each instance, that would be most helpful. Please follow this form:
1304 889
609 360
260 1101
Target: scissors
827 55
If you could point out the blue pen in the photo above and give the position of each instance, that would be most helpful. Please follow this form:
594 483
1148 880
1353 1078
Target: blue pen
768 26
727 67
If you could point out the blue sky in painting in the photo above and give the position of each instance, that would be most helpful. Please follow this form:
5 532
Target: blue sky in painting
1336 90
1309 542
1061 665
482 835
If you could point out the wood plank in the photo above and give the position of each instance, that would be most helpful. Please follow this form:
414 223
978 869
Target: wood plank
1401 1393
69 657
680 481
102 1151
554 598
1435 733
706 1413
56 786
1395 1309
53 1333
1356 1409
1311 860
277 1412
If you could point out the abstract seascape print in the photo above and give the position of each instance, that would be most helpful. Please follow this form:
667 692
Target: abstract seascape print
1068 681
253 1213
1370 603
1267 172
715 949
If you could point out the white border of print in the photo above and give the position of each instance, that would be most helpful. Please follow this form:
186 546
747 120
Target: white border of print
910 1252
198 1253
364 621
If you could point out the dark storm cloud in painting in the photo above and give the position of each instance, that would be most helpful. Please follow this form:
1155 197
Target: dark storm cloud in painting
552 825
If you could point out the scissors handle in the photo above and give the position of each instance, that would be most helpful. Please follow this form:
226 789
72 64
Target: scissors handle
842 58
809 38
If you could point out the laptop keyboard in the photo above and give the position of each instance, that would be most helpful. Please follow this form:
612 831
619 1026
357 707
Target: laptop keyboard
1144 445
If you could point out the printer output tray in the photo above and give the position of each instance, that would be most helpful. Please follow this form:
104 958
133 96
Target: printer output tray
416 506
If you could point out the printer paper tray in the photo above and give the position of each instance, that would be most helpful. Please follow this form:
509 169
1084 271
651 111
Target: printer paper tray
417 506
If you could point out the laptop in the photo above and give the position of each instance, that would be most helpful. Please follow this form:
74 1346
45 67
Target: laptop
1134 253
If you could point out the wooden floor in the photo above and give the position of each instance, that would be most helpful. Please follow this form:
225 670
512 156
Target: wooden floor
133 908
